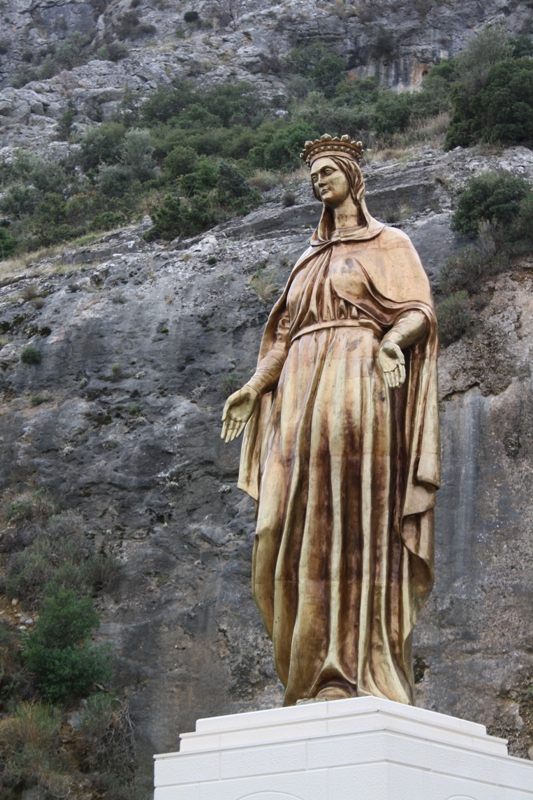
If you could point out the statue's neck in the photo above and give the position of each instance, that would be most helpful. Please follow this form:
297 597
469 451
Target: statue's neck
347 215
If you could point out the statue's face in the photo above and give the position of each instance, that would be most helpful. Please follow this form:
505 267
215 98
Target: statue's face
329 182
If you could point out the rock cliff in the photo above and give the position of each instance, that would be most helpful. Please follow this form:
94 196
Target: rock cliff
141 344
237 40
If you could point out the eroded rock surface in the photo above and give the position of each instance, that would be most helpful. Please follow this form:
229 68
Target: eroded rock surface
142 343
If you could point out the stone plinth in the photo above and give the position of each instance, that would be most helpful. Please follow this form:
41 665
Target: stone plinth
360 749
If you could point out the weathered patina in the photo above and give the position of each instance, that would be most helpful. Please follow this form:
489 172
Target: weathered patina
341 449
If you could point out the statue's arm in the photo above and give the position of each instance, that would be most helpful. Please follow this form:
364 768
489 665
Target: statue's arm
407 330
240 405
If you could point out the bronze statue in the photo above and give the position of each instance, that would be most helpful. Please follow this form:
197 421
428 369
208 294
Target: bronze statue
341 449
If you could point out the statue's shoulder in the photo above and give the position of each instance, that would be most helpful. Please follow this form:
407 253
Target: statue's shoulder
394 236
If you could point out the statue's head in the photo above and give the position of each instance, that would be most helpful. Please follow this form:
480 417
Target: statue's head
335 178
334 166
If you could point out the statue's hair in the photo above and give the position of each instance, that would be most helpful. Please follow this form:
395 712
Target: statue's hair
354 175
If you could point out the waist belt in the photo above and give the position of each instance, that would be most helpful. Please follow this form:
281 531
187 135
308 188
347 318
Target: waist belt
338 323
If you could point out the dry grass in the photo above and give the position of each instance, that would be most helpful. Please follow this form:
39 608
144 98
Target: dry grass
264 284
429 133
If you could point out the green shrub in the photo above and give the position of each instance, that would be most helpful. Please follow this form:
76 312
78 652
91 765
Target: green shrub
113 51
484 50
58 558
280 148
31 748
202 180
233 191
393 112
65 125
66 619
20 201
176 218
115 180
64 664
13 676
101 145
454 317
500 111
8 243
384 47
493 197
522 229
137 154
31 354
318 64
191 17
29 508
38 399
180 161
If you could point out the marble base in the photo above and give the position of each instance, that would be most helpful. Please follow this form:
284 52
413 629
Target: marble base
358 749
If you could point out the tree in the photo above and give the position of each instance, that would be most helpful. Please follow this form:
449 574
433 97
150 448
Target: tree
58 652
494 197
501 112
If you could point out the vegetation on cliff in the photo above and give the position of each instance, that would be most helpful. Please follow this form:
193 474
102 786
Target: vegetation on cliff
63 729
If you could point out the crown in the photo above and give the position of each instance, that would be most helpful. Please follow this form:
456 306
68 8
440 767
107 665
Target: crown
327 144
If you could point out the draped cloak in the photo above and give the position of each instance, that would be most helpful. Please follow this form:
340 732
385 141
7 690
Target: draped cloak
342 565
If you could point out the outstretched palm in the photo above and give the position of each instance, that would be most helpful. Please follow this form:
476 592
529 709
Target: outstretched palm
237 411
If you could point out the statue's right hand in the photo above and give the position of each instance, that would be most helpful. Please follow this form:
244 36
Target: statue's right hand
237 411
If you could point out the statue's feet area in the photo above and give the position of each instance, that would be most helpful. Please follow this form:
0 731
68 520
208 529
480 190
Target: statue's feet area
332 692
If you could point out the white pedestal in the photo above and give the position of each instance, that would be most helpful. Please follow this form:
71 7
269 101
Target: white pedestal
360 749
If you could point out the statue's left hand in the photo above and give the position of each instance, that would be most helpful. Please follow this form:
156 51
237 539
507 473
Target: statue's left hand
237 411
392 362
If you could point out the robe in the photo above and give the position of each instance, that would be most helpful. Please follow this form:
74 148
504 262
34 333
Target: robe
343 468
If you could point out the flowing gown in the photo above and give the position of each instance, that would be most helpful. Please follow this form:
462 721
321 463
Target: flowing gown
334 579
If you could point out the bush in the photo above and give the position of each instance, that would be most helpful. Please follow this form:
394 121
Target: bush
107 730
113 51
8 243
499 112
115 180
57 652
13 678
101 145
454 317
180 161
233 191
472 265
384 47
393 112
176 218
30 749
494 198
280 149
31 354
315 62
29 508
137 154
522 228
57 558
65 125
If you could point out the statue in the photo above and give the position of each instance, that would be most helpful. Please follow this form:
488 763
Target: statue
341 449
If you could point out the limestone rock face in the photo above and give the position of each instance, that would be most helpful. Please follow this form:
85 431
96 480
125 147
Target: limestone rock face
142 343
240 40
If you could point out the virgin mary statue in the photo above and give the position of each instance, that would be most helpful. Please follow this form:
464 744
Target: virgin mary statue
341 449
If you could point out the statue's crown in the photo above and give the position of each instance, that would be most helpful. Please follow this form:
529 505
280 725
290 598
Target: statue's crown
331 145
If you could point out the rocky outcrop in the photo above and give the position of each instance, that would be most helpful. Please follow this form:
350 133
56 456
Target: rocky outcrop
142 343
395 41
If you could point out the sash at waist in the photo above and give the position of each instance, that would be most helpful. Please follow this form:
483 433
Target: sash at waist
338 323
